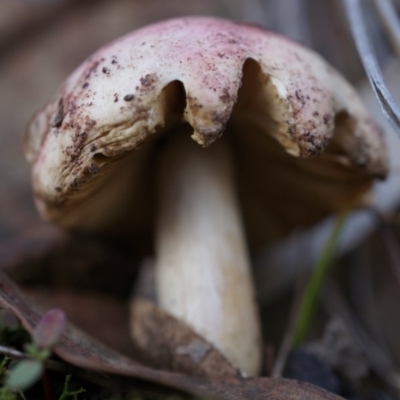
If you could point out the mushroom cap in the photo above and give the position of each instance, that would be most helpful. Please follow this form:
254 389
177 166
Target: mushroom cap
302 142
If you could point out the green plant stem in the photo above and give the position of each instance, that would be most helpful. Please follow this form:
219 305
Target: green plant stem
320 271
67 393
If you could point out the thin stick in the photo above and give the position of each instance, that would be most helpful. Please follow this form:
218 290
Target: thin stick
389 106
9 352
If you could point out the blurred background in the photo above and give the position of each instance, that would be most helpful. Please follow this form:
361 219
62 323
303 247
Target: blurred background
42 41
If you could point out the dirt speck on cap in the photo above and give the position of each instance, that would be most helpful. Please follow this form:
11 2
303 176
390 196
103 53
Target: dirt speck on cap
148 81
129 97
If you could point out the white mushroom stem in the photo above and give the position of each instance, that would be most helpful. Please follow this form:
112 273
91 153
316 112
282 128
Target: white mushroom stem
203 273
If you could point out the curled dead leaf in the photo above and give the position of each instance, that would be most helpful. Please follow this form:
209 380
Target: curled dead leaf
83 351
176 347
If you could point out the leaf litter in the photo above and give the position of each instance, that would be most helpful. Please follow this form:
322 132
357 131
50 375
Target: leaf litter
85 352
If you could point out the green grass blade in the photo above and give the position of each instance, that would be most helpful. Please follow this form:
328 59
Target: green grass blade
320 271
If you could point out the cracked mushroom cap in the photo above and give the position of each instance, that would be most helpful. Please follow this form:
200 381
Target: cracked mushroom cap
303 144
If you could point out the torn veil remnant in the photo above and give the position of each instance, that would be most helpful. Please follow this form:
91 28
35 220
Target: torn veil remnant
297 146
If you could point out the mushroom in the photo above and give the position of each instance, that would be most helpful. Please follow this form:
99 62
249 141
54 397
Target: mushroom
111 152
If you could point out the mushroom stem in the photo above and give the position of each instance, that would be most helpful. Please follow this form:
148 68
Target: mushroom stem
203 274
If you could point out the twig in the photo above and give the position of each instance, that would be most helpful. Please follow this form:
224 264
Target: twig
371 66
9 352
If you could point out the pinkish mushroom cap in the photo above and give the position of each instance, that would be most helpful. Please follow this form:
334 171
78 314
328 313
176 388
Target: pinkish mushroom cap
303 144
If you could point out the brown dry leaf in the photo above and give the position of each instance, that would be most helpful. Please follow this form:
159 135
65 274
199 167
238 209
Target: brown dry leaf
177 347
83 351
